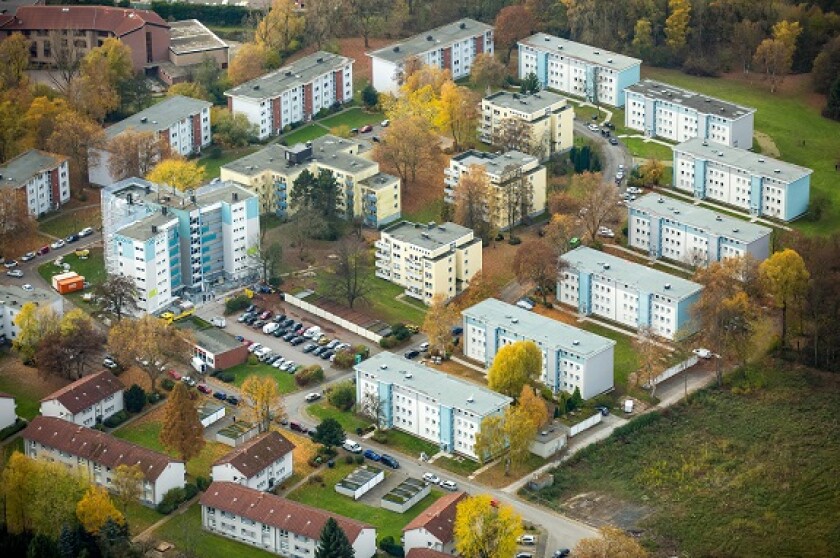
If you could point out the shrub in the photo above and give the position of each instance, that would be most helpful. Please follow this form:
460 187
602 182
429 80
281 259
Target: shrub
153 397
359 459
171 500
380 436
361 349
226 377
388 545
344 359
12 429
348 459
135 399
237 303
327 453
202 483
388 342
400 332
190 490
116 419
370 97
309 374
167 384
343 396
253 360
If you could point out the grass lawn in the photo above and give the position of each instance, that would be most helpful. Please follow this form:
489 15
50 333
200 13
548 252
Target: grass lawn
648 150
353 118
348 421
92 268
27 398
495 475
285 381
626 361
383 304
66 222
306 133
410 445
428 212
213 165
140 517
185 532
802 135
325 497
742 471
460 466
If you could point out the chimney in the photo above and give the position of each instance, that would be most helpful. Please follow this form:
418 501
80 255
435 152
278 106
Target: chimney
235 196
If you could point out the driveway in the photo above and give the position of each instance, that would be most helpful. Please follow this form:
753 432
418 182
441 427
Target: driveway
611 155
30 268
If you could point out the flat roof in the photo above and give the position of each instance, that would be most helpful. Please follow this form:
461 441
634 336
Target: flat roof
17 172
636 275
215 341
754 163
380 181
445 389
329 150
703 104
709 220
14 295
430 236
222 191
298 73
494 164
190 35
525 103
159 116
587 53
530 325
142 229
431 39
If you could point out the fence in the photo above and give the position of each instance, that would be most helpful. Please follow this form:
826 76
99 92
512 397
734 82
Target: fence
588 423
674 370
330 317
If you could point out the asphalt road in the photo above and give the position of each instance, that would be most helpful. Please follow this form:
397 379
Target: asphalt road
30 268
612 155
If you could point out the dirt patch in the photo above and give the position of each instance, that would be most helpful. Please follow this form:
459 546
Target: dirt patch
27 377
136 376
768 146
600 509
152 416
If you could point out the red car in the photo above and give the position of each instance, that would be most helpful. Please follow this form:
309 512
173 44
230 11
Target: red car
45 249
265 315
174 375
204 389
366 128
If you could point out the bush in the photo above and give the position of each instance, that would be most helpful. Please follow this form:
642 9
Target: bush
153 397
116 419
400 332
219 15
344 359
253 360
361 349
190 490
370 97
309 374
202 483
326 453
171 500
359 459
237 303
388 545
167 384
135 399
348 459
380 436
388 342
226 377
343 395
12 429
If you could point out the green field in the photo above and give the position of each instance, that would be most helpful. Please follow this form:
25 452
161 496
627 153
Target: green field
463 467
648 150
750 470
802 135
71 221
410 445
625 360
426 213
353 118
27 397
213 165
92 268
348 421
285 381
306 133
140 517
384 306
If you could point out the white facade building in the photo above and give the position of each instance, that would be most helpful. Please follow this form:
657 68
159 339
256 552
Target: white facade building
434 528
598 75
293 93
451 47
98 455
8 414
12 299
572 358
260 463
548 116
275 524
686 233
426 403
675 114
42 178
748 181
88 401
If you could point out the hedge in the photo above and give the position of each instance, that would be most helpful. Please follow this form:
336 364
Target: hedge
116 419
13 429
213 14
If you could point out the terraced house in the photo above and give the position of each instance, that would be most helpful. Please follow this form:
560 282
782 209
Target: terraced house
261 463
41 179
88 401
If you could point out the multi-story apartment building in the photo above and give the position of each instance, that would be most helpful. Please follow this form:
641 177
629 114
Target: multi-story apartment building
434 528
683 232
260 463
181 124
598 75
675 114
275 524
41 178
743 179
364 191
549 117
293 93
505 173
428 259
13 298
98 455
143 31
88 401
452 47
572 358
630 294
179 243
425 403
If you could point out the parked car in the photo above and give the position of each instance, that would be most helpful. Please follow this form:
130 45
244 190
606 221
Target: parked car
279 318
297 341
270 328
313 396
561 553
233 400
424 346
71 238
613 141
431 478
524 555
366 128
593 127
8 264
317 351
703 353
449 485
254 347
327 354
45 249
389 461
297 427
87 231
174 374
413 353
189 381
309 347
57 244
220 395
372 455
14 273
606 232
244 316
258 324
28 256
351 446
525 304
385 123
527 539
265 315
603 410
279 362
204 388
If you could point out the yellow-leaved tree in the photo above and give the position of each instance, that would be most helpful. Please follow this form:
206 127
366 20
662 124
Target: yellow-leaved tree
34 323
514 366
491 439
534 405
485 531
457 114
440 317
127 484
785 277
95 509
281 28
181 430
261 397
178 173
613 542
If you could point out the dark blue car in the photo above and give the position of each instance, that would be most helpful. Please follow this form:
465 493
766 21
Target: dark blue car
372 455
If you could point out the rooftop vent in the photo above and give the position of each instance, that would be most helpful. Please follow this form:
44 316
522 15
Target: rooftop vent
154 229
65 9
575 342
257 86
661 200
470 399
408 375
431 224
735 230
760 160
707 100
676 212
718 218
596 53
606 266
667 286
609 60
397 48
320 60
705 143
288 74
777 171
143 119
235 196
559 47
515 321
547 39
720 153
383 367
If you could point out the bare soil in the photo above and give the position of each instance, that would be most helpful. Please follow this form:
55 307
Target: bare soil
600 509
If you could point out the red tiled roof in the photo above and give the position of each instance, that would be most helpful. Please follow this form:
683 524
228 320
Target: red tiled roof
86 391
439 518
426 553
276 511
257 454
95 446
119 21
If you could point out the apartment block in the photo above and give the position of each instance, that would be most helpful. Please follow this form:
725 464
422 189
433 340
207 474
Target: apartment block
13 298
179 244
675 114
97 455
434 528
451 47
364 191
181 124
745 180
293 93
687 233
597 75
572 358
425 403
504 171
41 178
549 117
260 463
275 524
88 401
428 259
630 294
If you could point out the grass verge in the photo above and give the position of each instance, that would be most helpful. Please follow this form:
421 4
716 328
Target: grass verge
140 517
458 465
348 421
410 445
67 222
306 133
495 475
285 381
648 150
353 118
213 165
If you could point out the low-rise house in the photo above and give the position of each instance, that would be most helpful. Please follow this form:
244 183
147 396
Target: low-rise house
13 298
548 116
8 414
40 178
88 401
261 463
434 528
216 350
98 455
426 553
275 524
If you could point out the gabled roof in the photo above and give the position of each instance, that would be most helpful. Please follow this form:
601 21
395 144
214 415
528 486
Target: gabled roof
18 171
95 446
439 518
86 391
160 116
433 39
258 453
276 511
119 21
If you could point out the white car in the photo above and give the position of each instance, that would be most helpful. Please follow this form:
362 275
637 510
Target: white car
593 128
14 273
270 327
449 485
524 304
634 190
287 366
431 478
279 362
703 353
385 123
57 244
314 396
87 231
28 256
527 539
27 287
218 321
254 348
606 233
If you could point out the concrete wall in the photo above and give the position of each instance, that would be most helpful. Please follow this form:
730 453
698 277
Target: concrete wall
341 322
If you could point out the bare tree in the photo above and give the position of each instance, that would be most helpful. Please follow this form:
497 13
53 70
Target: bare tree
266 257
350 275
372 406
517 195
599 203
475 202
651 350
67 57
134 153
515 134
118 294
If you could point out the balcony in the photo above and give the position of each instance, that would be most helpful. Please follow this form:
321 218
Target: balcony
383 274
383 246
382 257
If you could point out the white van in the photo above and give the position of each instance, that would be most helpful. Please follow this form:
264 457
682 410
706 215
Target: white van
270 327
351 446
312 332
218 321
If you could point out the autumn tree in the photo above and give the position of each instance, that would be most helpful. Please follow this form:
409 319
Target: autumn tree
15 219
248 63
613 542
127 484
407 146
117 294
480 288
325 19
34 323
491 439
281 28
512 24
475 202
457 114
559 232
79 138
775 55
487 71
517 197
72 349
232 130
652 172
66 57
266 257
368 16
423 80
14 60
262 400
178 173
96 508
746 38
529 399
651 351
91 93
149 343
333 542
181 430
190 89
536 263
598 202
440 318
349 276
642 36
515 134
520 430
12 130
676 25
134 153
785 278
483 530
514 366
40 120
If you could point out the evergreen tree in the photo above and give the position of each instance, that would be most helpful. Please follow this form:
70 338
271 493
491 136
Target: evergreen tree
370 97
334 542
68 542
113 539
832 107
530 84
41 546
